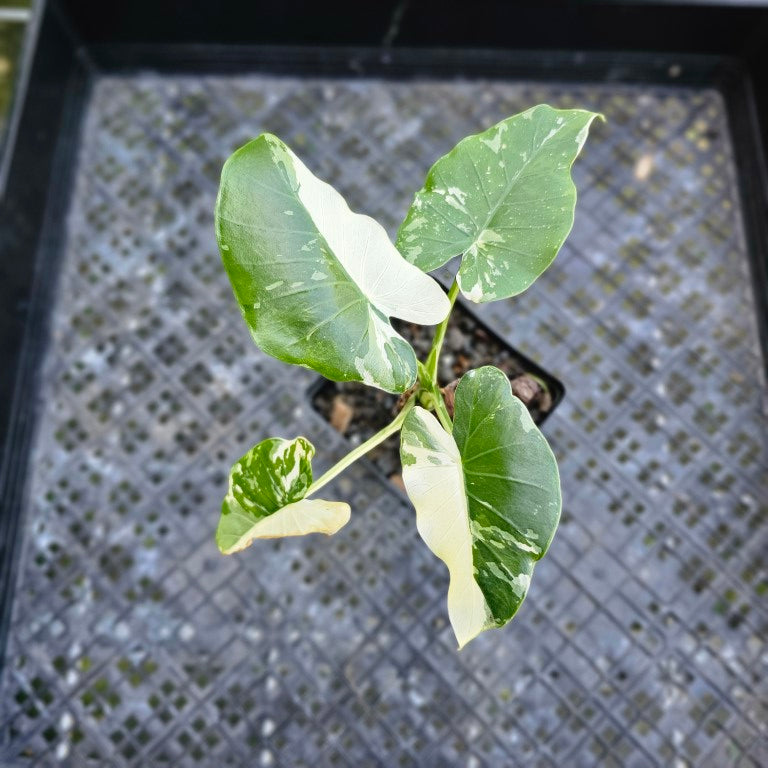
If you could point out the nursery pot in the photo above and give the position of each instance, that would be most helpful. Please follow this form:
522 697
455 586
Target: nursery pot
358 411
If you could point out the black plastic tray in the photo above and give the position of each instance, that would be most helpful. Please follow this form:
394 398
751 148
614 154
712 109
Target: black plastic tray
725 47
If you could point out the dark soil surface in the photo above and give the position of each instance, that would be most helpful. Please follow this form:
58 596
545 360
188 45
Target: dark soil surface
358 411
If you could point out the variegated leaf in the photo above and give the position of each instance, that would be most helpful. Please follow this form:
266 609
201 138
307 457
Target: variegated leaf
266 497
487 498
503 199
316 283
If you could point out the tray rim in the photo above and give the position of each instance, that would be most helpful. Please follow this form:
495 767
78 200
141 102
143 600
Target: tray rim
81 65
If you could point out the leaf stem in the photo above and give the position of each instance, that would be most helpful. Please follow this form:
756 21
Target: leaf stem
428 380
363 448
442 413
437 342
428 372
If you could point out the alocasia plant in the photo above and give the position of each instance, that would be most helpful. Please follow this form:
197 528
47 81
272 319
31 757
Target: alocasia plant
317 284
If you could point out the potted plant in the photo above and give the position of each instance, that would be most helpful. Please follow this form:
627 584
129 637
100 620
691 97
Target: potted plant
317 285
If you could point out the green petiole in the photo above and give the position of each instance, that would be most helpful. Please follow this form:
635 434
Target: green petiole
427 393
437 342
363 448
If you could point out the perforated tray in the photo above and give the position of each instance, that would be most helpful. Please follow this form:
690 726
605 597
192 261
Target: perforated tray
643 640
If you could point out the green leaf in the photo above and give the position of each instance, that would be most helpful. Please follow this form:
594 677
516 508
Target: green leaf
503 198
487 498
316 283
266 497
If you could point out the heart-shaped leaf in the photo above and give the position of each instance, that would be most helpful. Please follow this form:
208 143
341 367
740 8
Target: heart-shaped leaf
487 498
266 497
503 198
316 283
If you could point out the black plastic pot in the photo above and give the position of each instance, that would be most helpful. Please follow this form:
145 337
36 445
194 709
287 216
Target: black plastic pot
519 365
373 409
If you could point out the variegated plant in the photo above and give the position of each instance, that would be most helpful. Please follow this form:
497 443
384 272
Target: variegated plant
317 284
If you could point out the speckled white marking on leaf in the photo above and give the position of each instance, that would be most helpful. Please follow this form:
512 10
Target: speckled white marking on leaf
494 143
475 293
516 182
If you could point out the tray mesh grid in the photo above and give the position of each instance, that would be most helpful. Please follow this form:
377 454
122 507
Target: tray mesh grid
643 640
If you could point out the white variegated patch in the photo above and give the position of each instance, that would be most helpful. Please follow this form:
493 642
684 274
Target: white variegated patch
434 479
360 243
297 519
